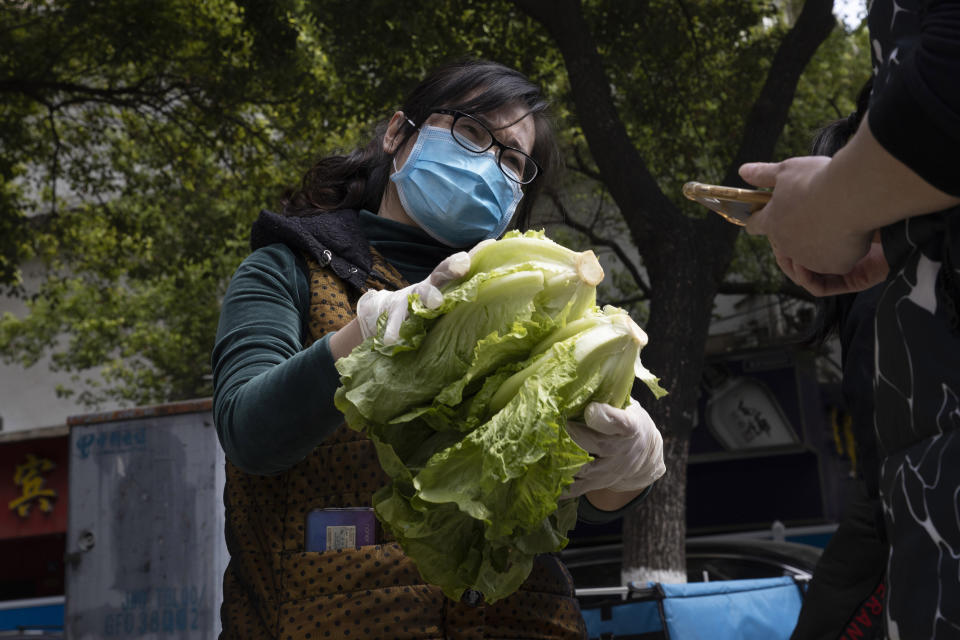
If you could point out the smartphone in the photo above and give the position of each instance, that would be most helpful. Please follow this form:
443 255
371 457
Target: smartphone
343 528
735 205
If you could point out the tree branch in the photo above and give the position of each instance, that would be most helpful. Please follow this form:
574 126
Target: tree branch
698 52
55 158
625 302
767 117
787 288
832 101
583 166
599 209
588 231
35 88
152 96
631 184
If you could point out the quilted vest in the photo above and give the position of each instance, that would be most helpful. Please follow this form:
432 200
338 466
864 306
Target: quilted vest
274 589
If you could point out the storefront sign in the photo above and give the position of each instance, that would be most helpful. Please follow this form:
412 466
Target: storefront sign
33 487
31 478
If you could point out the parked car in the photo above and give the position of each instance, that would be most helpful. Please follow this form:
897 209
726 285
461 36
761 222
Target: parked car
594 567
736 588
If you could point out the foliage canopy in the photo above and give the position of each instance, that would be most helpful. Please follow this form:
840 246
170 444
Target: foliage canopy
140 140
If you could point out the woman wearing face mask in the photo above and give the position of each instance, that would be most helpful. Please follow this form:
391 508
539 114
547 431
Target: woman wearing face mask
458 164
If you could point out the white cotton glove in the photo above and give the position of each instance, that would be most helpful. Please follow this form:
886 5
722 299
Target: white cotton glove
626 446
375 302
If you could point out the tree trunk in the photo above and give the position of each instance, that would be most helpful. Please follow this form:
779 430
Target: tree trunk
657 528
686 259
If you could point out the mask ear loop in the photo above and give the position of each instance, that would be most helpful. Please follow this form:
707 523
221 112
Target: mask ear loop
393 159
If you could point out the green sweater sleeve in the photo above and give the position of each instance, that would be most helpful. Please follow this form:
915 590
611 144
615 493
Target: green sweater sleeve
272 399
589 514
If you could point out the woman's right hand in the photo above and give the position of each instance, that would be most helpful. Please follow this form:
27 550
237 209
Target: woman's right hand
374 303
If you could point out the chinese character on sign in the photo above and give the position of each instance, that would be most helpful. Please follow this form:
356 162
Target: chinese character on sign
29 477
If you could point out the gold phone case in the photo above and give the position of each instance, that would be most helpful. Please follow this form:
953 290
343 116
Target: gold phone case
735 205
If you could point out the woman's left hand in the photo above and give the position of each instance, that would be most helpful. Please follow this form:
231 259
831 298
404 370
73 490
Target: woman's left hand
626 446
871 270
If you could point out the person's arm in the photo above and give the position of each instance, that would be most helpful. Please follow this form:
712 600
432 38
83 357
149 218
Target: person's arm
627 451
273 399
608 500
598 508
915 115
824 211
346 339
901 162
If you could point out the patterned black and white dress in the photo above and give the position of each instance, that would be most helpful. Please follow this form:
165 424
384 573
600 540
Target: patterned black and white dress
915 114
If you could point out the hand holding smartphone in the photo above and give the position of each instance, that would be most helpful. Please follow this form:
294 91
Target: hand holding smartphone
735 205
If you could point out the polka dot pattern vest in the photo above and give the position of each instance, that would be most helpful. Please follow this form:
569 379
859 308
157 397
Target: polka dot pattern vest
274 589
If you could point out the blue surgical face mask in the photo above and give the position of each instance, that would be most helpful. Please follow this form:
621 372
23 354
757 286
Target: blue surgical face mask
457 196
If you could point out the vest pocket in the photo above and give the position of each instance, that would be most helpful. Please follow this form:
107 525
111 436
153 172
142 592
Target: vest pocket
392 613
376 592
322 573
372 591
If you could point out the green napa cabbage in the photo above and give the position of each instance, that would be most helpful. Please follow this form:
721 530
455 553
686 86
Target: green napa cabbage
467 414
518 290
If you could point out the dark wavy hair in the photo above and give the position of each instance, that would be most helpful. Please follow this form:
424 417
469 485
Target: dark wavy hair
357 180
832 137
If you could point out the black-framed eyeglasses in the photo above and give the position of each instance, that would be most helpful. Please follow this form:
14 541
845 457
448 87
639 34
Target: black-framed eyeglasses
473 135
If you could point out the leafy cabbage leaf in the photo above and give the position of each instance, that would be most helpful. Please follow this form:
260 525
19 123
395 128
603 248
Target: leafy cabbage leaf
467 411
